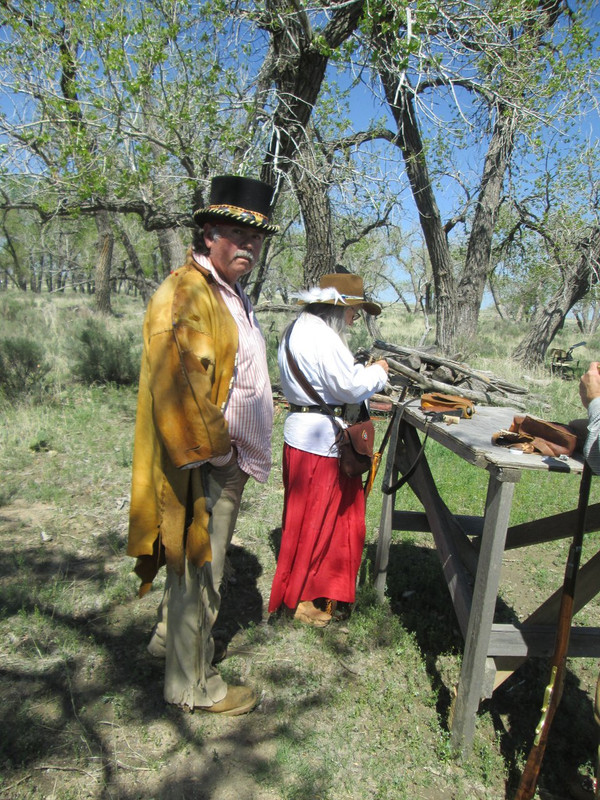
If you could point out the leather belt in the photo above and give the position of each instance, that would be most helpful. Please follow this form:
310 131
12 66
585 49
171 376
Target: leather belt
337 411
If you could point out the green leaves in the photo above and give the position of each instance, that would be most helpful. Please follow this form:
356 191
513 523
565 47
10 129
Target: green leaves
111 102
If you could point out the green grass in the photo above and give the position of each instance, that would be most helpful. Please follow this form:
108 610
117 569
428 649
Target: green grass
353 712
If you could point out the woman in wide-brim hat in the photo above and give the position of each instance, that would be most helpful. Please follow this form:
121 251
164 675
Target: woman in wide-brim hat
323 527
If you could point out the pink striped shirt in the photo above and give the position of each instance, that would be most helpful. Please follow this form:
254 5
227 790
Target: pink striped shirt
249 409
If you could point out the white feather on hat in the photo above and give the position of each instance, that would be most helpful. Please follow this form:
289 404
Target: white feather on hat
318 295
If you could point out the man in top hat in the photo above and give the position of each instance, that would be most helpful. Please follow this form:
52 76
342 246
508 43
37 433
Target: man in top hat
203 427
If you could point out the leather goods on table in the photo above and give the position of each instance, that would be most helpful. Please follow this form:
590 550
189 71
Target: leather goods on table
532 435
447 403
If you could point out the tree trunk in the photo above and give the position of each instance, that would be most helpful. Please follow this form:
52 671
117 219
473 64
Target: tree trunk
104 263
545 324
401 104
258 274
547 321
458 303
593 325
144 285
298 66
587 319
312 191
497 302
19 272
477 262
172 251
372 326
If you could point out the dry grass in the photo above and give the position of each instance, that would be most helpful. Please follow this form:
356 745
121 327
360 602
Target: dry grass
354 712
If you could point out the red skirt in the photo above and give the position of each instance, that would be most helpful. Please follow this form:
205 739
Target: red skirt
323 531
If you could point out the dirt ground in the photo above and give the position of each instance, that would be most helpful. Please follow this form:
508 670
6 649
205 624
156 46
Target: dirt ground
81 699
109 675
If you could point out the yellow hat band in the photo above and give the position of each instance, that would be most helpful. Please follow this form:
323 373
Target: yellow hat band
239 213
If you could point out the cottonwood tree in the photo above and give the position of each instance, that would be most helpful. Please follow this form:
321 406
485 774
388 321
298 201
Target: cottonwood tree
496 65
13 250
587 313
169 94
120 110
306 139
505 71
486 74
548 246
583 273
52 256
57 38
301 44
131 110
571 254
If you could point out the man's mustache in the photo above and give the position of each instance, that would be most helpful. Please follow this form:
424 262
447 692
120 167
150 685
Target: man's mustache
244 254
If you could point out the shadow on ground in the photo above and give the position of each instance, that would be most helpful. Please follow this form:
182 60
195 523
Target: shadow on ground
419 597
78 686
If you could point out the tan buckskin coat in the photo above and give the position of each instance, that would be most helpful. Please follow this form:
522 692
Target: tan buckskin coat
188 362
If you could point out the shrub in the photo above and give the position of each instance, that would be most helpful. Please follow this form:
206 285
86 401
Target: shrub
23 368
13 308
102 357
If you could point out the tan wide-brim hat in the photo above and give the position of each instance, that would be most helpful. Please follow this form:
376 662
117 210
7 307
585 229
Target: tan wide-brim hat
235 199
341 288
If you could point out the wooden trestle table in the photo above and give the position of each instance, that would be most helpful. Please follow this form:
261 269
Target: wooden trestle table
471 548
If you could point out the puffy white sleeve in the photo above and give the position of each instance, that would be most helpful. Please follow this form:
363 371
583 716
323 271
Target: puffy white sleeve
346 381
591 448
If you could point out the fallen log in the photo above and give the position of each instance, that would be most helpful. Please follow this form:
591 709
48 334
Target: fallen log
457 368
428 384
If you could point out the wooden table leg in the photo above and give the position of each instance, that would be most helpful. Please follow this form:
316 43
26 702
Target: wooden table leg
473 671
384 540
444 528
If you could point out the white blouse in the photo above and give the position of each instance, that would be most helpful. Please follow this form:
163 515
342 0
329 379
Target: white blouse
328 365
592 445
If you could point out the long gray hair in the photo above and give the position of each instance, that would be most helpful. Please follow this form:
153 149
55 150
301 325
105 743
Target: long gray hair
334 316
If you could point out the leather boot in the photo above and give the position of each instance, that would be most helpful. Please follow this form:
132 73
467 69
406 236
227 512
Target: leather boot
308 613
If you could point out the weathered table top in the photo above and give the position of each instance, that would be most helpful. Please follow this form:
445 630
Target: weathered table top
471 439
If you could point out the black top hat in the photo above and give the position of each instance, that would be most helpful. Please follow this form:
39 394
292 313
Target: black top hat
242 200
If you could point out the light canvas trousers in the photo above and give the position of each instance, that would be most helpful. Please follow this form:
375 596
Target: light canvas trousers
191 602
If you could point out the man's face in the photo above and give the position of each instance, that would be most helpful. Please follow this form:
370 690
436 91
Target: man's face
350 314
234 249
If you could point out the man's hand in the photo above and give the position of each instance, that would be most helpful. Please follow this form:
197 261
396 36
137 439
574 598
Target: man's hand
589 385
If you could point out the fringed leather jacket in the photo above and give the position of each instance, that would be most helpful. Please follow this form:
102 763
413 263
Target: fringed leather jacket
188 363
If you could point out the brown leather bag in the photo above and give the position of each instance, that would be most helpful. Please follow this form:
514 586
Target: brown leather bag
355 446
439 402
532 435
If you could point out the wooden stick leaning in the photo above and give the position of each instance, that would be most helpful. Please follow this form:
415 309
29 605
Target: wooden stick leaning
379 454
558 662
